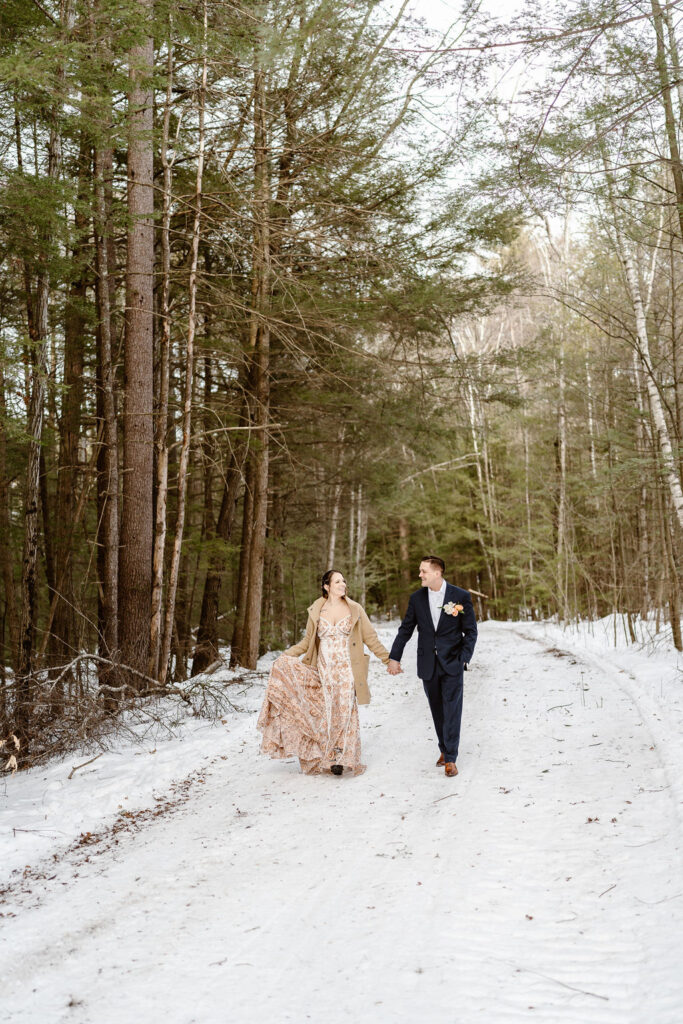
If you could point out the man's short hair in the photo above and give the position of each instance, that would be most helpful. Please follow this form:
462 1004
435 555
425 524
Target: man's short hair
437 562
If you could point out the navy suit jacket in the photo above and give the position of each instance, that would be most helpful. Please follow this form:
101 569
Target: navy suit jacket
451 644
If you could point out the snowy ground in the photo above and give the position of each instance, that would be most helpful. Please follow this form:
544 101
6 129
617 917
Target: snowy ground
192 881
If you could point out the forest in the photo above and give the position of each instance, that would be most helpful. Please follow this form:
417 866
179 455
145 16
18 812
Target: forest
294 284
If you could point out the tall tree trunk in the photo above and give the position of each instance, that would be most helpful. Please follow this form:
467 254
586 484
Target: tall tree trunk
643 503
161 424
669 116
675 59
529 603
361 550
108 454
47 516
486 549
675 363
334 523
352 527
29 582
260 354
137 519
236 645
206 650
8 652
277 606
562 545
108 462
404 552
673 585
38 313
337 491
656 404
590 409
188 573
63 643
189 379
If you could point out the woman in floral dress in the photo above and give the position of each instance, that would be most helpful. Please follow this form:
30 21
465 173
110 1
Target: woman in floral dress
310 708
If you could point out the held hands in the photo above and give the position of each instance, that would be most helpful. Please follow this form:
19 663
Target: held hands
394 668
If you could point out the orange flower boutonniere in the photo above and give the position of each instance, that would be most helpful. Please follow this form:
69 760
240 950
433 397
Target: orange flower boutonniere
452 609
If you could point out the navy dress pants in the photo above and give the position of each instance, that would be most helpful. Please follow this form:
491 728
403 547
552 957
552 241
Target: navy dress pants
444 693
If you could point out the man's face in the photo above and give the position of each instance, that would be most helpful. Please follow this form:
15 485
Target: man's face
430 575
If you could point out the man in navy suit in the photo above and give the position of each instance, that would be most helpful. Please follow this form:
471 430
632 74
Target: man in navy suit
446 635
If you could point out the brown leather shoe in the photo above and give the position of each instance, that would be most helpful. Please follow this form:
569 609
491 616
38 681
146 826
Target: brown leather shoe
451 769
440 763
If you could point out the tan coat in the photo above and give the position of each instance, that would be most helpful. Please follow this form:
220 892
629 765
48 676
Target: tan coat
362 632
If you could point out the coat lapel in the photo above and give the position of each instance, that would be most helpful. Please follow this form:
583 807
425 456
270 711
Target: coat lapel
427 609
446 598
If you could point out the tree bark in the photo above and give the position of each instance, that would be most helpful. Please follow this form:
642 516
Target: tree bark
669 117
206 649
643 503
656 405
243 571
404 552
334 522
108 463
260 358
47 517
361 549
673 585
137 519
108 536
490 565
562 545
63 643
188 573
10 620
38 313
161 424
189 378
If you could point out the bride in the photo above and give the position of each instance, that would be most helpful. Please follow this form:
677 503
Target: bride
310 708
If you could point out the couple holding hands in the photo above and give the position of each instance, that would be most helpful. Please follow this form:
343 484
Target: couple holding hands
310 708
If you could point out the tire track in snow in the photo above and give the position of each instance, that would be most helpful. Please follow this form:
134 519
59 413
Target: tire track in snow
505 894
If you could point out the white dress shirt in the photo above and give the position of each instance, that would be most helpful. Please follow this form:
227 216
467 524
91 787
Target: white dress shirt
436 600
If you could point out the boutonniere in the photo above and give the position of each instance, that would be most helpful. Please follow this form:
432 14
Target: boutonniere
452 609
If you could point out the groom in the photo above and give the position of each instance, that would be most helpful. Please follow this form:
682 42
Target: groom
446 635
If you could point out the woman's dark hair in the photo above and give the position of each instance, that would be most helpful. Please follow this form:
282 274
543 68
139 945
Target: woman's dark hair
325 582
437 562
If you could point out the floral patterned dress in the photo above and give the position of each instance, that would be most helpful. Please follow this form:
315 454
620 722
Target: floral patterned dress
313 714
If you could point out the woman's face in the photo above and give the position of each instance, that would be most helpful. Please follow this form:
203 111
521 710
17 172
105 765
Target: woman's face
337 586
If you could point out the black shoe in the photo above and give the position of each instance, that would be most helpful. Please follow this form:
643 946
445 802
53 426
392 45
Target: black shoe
337 769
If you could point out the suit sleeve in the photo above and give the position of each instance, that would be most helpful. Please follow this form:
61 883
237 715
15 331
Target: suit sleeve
469 630
371 640
405 631
304 644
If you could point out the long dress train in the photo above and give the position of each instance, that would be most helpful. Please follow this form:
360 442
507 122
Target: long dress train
313 714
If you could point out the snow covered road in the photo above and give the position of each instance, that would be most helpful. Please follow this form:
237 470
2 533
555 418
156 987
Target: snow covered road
544 883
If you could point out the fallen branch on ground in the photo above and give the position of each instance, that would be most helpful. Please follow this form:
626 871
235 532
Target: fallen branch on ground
77 766
66 714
